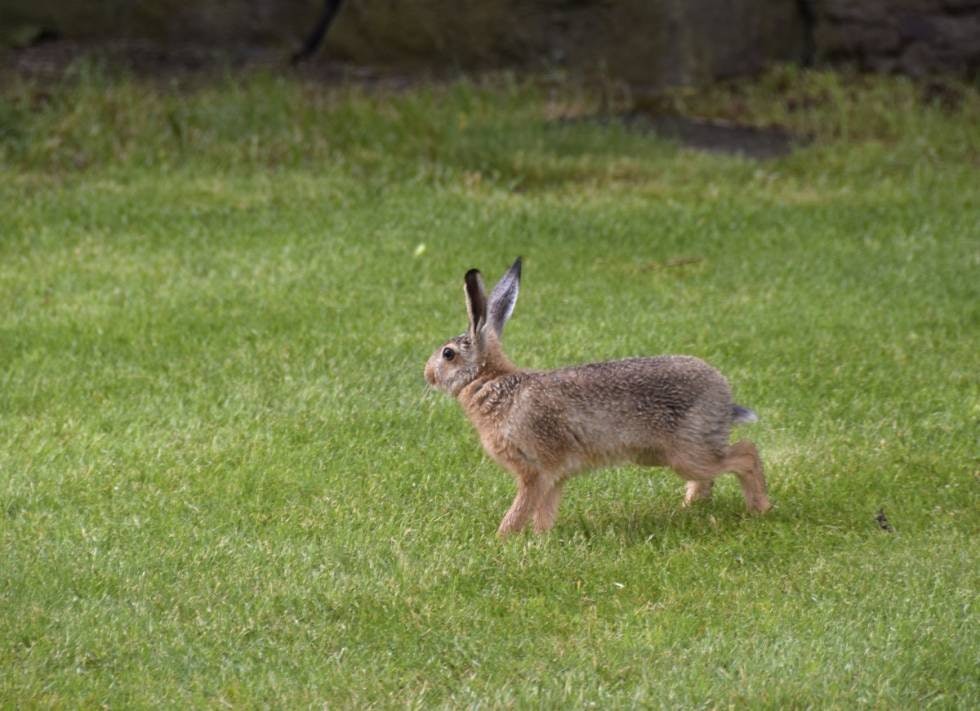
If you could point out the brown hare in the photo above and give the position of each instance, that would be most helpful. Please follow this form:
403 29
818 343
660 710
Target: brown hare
546 426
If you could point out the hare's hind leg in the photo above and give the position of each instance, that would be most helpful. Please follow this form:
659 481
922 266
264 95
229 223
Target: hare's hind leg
696 490
547 511
699 470
743 459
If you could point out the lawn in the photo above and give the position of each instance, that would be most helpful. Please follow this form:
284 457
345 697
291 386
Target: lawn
223 481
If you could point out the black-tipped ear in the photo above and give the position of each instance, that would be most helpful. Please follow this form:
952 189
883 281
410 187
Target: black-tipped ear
476 302
504 297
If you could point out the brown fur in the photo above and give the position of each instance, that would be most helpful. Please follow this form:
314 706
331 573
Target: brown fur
546 426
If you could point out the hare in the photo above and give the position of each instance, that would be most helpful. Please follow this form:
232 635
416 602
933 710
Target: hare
546 426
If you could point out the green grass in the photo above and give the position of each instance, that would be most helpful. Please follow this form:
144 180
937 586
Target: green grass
223 482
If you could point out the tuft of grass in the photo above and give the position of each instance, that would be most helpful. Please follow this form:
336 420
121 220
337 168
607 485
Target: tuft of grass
222 481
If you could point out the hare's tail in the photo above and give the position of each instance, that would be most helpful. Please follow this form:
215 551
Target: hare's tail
743 414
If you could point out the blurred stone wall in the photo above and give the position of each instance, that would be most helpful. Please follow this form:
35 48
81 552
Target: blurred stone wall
220 22
651 42
914 37
647 43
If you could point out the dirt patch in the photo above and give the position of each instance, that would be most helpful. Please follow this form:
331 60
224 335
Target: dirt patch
51 60
191 62
713 136
718 136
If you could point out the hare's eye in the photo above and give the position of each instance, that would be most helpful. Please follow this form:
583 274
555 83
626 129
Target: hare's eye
448 353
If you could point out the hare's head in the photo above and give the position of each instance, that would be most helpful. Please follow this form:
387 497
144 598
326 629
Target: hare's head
461 360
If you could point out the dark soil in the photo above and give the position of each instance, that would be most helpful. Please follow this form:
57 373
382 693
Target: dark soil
717 136
54 60
713 136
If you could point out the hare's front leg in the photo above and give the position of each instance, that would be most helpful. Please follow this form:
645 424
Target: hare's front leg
530 493
547 512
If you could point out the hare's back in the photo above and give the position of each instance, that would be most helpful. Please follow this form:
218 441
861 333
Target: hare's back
664 392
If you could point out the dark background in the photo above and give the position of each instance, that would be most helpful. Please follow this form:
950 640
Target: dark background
647 43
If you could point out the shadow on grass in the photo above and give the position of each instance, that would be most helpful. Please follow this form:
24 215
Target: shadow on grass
659 524
666 524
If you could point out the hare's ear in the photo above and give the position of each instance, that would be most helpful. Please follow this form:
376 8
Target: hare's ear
476 304
504 297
